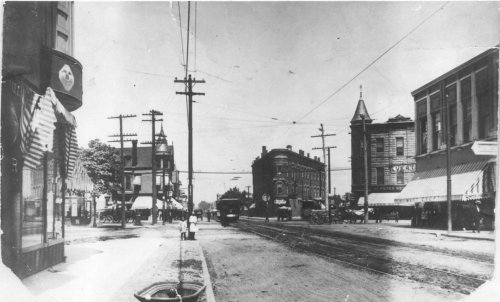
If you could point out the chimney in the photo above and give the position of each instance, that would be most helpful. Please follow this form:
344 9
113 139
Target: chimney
308 155
289 147
264 151
134 152
301 152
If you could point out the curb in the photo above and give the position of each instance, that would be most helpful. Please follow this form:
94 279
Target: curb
467 237
206 276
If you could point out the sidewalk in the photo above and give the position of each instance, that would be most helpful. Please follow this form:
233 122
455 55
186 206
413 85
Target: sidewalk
98 269
388 227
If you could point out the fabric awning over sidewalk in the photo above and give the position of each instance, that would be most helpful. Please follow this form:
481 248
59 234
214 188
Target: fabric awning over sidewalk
142 202
431 185
381 199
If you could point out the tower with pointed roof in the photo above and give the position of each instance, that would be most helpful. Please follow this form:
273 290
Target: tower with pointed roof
390 150
357 166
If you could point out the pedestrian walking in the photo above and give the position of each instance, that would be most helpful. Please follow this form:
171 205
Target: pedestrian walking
193 228
476 216
183 228
267 211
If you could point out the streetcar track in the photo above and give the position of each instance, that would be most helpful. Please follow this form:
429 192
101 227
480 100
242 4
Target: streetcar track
362 259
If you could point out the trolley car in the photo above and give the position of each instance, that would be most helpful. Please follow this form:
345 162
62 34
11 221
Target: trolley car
228 210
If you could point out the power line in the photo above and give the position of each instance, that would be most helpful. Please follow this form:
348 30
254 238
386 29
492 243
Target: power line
180 30
373 62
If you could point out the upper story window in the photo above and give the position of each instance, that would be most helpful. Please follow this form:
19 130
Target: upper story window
128 182
64 28
465 94
436 121
380 144
451 96
400 146
422 126
400 177
485 102
380 175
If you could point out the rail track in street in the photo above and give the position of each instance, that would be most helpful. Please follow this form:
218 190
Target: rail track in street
372 254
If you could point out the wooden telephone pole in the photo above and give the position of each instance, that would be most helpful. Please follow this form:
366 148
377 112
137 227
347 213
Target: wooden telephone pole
327 167
365 163
189 92
122 163
153 120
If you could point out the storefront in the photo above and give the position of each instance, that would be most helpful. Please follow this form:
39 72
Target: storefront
471 183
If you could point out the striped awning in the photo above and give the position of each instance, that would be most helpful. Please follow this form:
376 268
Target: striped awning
42 116
381 199
430 186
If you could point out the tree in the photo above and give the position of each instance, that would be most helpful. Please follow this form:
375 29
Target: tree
234 193
103 165
205 206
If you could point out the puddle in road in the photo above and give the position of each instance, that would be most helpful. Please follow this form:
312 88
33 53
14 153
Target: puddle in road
105 238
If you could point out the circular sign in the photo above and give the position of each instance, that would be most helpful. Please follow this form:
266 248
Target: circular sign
266 197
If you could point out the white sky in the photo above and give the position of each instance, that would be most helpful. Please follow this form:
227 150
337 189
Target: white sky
266 64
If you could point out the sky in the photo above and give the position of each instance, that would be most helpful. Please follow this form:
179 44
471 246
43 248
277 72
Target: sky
274 72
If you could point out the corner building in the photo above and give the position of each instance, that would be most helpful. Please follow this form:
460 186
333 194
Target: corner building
42 85
287 176
468 96
390 154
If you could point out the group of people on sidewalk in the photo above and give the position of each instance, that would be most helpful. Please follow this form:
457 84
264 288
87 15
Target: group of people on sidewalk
193 227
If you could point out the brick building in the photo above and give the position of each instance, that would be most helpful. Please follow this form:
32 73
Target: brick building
287 176
391 163
468 94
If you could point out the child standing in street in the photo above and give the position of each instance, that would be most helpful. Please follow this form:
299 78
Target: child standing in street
183 228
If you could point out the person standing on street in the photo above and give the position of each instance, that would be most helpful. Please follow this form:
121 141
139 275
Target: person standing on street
267 211
208 215
476 215
193 228
183 228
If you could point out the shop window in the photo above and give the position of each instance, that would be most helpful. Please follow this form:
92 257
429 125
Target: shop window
33 183
380 176
380 144
400 146
400 177
465 92
485 103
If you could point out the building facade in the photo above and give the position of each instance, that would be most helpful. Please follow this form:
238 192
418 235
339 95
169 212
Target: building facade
390 154
138 171
468 97
41 86
287 176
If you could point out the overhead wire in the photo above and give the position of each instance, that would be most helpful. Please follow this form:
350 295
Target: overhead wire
373 62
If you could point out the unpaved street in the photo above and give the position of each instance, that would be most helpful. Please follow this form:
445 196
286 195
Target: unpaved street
245 267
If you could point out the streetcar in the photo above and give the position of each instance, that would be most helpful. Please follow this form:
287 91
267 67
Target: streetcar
228 209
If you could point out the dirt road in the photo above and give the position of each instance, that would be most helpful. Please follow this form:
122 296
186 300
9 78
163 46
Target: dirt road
245 267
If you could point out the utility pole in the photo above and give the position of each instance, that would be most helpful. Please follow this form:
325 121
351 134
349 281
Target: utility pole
189 92
448 162
365 162
122 163
153 120
327 168
330 170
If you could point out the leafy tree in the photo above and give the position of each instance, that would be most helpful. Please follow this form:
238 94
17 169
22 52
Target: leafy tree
234 193
102 163
205 206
